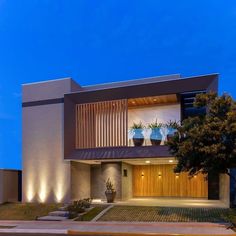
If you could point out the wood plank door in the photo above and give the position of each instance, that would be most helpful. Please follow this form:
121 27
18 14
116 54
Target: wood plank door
161 181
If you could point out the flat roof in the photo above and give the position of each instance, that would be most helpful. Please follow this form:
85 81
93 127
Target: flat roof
126 83
144 87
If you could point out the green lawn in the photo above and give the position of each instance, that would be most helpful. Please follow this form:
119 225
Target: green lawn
92 213
27 211
168 214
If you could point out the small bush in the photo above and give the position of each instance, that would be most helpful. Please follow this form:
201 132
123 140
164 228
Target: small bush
78 207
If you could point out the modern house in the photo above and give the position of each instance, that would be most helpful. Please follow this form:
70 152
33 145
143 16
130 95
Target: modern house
76 137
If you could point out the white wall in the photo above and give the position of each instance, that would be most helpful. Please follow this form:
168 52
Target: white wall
46 175
146 115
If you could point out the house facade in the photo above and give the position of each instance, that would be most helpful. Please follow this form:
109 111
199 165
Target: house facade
76 137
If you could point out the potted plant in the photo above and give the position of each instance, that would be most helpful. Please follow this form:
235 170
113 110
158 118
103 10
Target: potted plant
155 136
137 129
110 191
172 127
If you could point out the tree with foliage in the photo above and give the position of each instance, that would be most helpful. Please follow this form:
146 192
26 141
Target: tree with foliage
206 143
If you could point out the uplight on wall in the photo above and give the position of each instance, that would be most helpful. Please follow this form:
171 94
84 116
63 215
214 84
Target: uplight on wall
159 175
170 161
30 192
148 162
142 174
177 175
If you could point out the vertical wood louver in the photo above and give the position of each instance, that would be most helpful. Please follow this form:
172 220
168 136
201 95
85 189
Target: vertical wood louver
102 124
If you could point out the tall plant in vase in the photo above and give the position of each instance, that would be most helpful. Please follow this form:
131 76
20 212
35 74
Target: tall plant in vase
155 136
138 137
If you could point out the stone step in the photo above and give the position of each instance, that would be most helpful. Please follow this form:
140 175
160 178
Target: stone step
59 213
52 218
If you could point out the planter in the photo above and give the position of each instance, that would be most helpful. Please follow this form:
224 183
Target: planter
138 137
156 137
110 195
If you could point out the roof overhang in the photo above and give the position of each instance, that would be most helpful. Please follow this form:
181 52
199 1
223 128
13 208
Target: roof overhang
176 86
121 153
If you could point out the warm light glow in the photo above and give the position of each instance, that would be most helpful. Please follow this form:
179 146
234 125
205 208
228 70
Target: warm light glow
159 175
154 99
142 174
96 200
30 192
147 162
195 176
59 193
170 161
133 102
43 192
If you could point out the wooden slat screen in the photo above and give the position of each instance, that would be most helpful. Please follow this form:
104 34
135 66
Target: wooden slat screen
168 184
102 124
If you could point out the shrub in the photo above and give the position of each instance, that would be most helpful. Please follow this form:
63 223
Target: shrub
77 207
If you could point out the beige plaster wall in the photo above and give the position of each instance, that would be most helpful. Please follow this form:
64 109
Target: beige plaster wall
127 182
50 89
46 176
8 186
80 181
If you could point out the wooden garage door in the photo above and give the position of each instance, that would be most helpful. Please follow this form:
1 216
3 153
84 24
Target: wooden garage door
161 181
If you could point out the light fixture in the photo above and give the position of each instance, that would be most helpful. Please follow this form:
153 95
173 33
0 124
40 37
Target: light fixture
154 100
195 176
148 162
159 175
170 161
177 175
142 175
133 102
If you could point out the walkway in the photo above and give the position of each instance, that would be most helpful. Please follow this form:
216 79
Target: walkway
171 202
140 227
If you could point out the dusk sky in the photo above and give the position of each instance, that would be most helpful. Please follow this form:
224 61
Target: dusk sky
104 41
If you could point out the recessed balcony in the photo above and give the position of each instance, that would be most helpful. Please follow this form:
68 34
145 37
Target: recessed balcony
110 123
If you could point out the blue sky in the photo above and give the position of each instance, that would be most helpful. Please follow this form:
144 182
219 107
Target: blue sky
102 41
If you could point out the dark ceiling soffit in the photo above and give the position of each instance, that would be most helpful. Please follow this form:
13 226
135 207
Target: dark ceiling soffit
144 90
43 102
111 153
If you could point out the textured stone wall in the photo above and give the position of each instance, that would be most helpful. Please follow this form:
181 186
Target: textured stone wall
96 182
225 189
113 171
80 181
127 181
